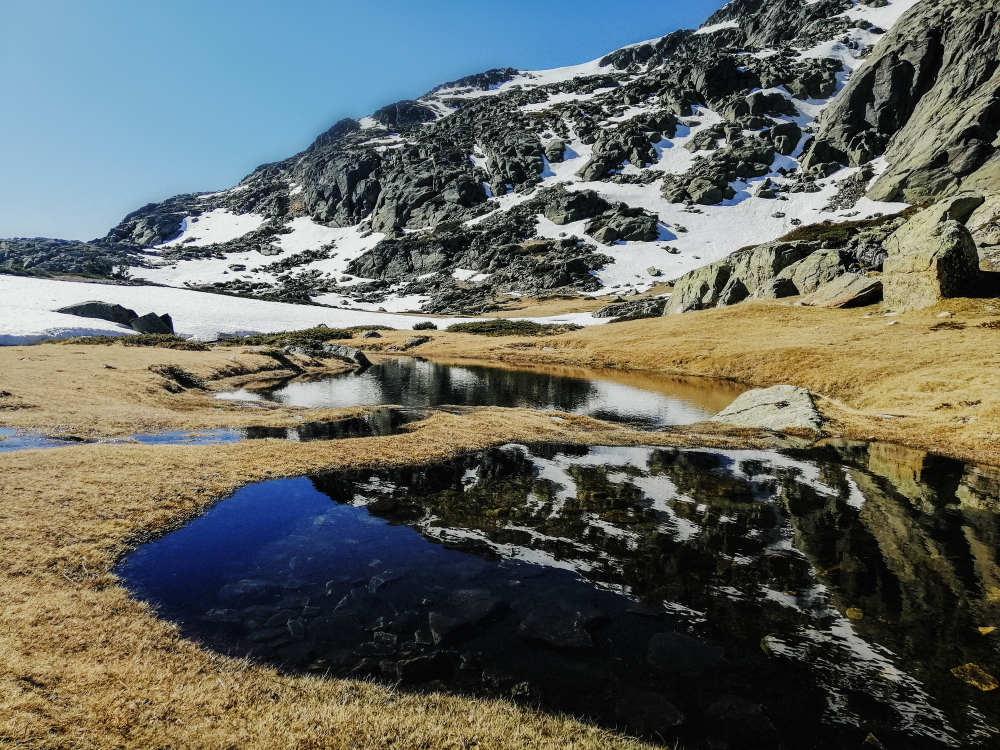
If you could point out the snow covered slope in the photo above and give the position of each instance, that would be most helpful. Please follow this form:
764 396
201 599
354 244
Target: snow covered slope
605 177
26 316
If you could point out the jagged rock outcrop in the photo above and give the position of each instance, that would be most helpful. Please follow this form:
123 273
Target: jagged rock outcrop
101 311
929 99
65 256
148 323
735 278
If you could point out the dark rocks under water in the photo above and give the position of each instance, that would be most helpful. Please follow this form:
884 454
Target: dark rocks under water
738 599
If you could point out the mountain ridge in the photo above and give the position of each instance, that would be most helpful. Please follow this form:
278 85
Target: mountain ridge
603 177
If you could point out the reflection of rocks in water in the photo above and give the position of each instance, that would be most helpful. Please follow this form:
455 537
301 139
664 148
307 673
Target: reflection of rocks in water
737 599
376 423
416 383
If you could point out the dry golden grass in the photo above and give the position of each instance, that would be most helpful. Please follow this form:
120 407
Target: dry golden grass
96 391
919 383
84 666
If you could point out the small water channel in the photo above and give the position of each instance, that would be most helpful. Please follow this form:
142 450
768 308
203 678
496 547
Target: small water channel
407 381
719 599
376 423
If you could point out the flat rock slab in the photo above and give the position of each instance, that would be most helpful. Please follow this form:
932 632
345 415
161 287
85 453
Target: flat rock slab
782 407
848 290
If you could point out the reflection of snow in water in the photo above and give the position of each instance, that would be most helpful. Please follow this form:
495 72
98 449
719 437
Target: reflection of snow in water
840 661
415 382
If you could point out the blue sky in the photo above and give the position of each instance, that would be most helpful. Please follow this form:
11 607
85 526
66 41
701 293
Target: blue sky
111 104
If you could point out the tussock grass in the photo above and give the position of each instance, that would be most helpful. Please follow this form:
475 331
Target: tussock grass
160 340
504 327
837 233
306 337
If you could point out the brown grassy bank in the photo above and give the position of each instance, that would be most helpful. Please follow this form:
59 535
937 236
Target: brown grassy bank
84 666
927 381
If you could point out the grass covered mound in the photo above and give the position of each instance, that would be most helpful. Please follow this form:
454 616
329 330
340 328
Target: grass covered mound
835 234
308 337
158 340
504 327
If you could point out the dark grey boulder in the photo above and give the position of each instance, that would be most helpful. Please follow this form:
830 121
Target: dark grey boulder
555 151
566 207
638 307
346 353
101 311
153 323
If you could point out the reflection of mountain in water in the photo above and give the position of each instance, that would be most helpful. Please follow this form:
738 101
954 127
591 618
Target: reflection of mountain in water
760 549
418 383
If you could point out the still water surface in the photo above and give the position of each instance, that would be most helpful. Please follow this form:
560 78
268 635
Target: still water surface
408 381
739 599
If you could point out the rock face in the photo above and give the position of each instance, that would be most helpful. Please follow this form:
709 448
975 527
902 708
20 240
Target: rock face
67 256
933 256
737 277
458 180
782 407
928 99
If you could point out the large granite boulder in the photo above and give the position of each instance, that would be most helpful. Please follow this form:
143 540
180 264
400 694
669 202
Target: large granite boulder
821 267
780 408
984 223
933 256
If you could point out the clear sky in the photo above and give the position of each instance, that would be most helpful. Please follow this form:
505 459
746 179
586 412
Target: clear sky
107 105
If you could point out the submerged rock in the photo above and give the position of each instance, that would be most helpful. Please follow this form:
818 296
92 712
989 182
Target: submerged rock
682 655
782 407
560 624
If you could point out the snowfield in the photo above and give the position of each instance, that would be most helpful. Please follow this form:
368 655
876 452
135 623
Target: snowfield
27 317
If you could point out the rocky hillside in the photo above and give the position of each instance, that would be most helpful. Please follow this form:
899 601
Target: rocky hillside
607 177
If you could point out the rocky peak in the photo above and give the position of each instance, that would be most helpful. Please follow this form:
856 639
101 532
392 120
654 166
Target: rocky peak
928 99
